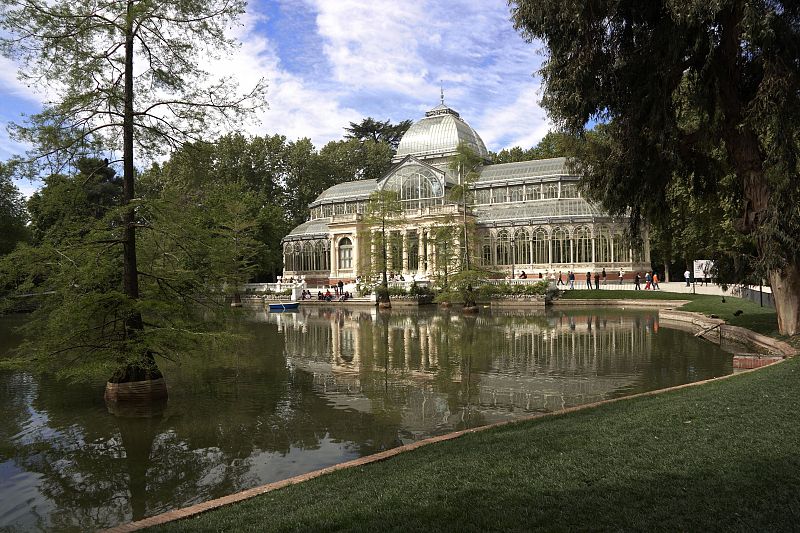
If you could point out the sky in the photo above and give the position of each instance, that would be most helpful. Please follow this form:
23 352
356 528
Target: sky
332 62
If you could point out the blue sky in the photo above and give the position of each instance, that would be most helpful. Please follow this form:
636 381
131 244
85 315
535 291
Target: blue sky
330 62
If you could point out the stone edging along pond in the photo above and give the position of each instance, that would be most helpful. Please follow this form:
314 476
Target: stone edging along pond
708 327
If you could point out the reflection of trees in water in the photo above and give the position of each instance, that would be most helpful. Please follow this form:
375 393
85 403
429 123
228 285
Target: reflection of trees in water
226 408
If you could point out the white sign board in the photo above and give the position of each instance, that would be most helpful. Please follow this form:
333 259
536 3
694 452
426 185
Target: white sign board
703 268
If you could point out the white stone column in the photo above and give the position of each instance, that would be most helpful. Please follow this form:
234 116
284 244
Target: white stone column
373 251
334 257
389 254
428 253
404 266
356 254
421 251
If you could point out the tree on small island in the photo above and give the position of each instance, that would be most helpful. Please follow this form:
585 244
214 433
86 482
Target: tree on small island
121 76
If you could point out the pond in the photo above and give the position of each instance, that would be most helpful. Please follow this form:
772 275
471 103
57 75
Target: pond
309 389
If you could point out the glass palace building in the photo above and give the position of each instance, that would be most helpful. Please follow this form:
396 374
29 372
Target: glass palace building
528 216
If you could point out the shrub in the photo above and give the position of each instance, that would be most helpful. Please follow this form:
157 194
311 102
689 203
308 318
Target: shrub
381 293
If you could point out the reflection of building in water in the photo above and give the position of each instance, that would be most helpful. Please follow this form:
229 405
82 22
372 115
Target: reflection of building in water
435 368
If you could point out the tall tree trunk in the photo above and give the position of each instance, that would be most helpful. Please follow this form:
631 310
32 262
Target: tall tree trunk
146 369
786 291
130 278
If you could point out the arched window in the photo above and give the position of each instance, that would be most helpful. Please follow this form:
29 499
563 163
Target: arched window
561 246
569 190
620 248
345 253
503 248
583 246
522 247
533 192
515 193
540 251
486 250
418 186
413 252
603 246
551 190
288 259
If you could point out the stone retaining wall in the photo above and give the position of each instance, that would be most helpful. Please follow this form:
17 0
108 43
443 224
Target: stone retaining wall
712 327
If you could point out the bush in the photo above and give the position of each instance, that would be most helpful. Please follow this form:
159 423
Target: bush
381 293
397 291
419 290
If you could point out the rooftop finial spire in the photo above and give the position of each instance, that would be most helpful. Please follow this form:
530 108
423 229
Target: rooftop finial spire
441 91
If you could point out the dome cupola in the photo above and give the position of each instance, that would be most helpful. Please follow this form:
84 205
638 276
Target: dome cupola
438 135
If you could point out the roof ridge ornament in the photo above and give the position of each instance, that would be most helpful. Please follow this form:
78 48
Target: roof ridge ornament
441 91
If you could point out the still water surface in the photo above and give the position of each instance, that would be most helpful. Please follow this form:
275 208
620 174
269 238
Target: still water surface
311 389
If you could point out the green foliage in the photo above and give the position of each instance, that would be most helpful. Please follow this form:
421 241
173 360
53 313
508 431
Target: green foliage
554 144
13 215
382 293
378 131
384 211
191 245
397 291
700 101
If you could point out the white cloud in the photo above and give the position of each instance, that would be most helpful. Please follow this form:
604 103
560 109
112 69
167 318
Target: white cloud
296 107
376 44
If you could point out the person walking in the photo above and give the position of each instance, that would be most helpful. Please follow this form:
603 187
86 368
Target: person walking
571 279
648 279
589 280
603 275
560 280
636 279
687 275
621 273
597 281
655 281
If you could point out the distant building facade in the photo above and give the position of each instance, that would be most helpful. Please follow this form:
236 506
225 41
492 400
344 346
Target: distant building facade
527 216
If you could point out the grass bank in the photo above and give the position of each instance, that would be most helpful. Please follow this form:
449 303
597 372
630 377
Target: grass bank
735 311
722 456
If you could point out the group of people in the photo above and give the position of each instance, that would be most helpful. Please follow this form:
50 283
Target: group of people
651 281
593 280
597 277
338 294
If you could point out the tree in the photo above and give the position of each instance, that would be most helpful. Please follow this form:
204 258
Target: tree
465 163
378 131
122 74
554 144
705 92
385 211
13 215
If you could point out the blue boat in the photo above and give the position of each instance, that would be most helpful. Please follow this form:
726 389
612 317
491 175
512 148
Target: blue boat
282 306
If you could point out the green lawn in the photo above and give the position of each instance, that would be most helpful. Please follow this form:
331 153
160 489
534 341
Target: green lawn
720 457
759 319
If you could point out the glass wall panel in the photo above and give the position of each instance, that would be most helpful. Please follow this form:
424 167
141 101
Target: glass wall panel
603 245
483 196
522 245
498 195
515 193
561 246
569 190
533 192
583 246
540 252
503 248
418 187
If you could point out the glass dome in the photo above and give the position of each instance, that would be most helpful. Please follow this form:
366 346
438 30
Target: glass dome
439 133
